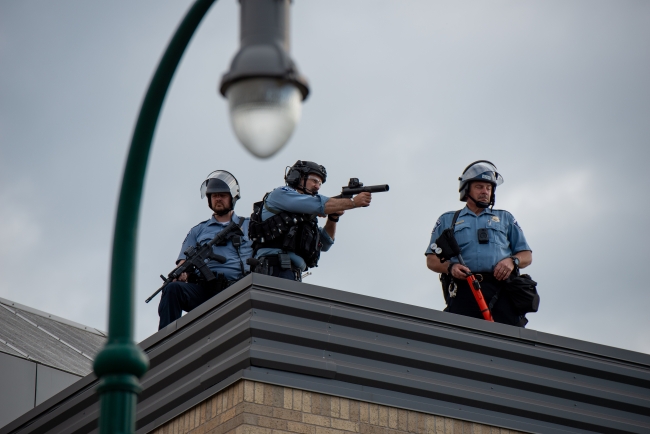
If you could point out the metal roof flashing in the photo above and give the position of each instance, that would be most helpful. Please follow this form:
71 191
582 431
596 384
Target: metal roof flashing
334 342
408 312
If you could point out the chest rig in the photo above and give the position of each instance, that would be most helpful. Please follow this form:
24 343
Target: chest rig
291 232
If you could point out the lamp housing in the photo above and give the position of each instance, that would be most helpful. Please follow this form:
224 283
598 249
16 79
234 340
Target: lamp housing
263 86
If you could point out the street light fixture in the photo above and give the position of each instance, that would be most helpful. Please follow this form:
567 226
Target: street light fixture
262 87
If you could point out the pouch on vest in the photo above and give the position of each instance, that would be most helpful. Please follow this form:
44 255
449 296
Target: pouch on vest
289 242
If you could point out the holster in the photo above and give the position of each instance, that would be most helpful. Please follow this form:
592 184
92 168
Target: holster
281 261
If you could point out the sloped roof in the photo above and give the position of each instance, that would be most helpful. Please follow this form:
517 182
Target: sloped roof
47 339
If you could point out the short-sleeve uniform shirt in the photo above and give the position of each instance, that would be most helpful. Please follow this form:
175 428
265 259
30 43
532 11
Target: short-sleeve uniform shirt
206 231
505 237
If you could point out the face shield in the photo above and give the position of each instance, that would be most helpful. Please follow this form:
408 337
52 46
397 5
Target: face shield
482 171
221 181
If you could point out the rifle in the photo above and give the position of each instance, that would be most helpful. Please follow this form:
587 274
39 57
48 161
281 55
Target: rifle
355 187
196 257
447 247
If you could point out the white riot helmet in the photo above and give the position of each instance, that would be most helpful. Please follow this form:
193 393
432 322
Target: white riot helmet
484 171
221 181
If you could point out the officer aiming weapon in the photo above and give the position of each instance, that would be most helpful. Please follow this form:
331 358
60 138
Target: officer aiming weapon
197 257
355 187
446 247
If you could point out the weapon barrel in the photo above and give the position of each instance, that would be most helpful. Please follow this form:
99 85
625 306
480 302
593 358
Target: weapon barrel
156 293
368 189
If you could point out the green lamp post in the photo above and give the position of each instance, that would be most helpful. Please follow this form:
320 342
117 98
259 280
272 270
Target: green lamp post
265 92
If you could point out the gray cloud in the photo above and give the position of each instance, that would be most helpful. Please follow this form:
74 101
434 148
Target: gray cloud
406 93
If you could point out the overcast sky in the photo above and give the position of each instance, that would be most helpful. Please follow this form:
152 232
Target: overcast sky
555 93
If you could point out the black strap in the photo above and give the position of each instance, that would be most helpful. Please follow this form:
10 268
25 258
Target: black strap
451 278
494 299
453 221
241 263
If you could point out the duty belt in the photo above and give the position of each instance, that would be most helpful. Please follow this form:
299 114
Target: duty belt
280 260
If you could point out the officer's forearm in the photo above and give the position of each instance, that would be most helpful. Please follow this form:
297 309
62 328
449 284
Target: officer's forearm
330 228
433 263
525 258
337 205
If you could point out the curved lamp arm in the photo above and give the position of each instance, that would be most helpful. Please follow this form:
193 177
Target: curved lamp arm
121 362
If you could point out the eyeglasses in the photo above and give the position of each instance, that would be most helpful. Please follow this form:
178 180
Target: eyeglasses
316 180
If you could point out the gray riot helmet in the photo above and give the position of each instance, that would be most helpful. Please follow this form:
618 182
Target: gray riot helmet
483 171
221 181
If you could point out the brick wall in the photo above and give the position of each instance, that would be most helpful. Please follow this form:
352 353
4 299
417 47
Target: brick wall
249 407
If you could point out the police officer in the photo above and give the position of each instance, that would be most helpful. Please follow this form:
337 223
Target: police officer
222 191
284 225
492 244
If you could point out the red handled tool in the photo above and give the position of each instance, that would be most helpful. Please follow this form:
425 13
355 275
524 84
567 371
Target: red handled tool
475 286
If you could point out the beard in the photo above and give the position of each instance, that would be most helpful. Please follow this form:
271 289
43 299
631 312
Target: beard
221 210
220 207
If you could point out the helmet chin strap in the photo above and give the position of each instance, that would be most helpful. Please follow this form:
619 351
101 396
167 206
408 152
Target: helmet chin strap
304 187
481 205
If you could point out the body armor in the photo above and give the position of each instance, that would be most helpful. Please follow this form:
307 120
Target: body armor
291 232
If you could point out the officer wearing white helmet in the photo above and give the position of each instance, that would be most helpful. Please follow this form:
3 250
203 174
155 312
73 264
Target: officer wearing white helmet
492 244
222 192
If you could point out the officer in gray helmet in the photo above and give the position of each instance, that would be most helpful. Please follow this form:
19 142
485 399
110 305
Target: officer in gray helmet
492 244
284 226
222 192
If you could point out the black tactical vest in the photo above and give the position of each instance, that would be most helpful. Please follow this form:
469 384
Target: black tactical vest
291 232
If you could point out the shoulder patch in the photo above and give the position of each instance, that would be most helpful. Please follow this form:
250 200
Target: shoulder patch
287 188
514 220
438 223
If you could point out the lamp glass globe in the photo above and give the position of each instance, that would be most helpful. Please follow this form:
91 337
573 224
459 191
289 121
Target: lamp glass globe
264 112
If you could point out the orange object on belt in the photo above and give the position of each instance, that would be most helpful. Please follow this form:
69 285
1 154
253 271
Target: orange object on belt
475 286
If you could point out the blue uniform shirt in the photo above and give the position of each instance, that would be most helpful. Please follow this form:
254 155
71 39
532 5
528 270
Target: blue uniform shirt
288 199
206 231
506 237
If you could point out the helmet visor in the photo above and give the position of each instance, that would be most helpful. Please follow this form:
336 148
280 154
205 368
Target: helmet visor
225 177
482 172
